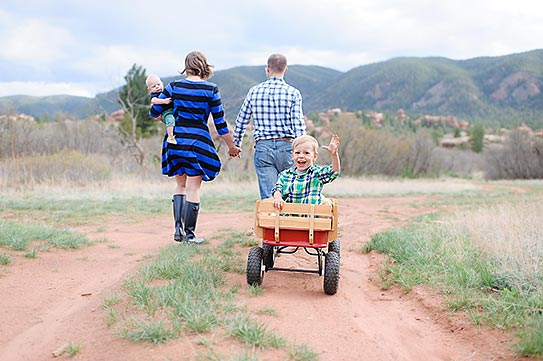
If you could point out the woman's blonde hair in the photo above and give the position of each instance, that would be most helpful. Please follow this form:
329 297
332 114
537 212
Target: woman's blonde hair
303 139
196 64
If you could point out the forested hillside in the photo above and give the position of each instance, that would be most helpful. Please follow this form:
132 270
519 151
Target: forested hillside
504 91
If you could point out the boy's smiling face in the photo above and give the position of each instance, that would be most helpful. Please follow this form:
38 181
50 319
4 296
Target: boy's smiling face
303 156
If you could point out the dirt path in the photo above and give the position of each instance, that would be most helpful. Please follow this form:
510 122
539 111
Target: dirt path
57 297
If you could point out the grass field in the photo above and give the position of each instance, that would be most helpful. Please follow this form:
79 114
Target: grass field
481 250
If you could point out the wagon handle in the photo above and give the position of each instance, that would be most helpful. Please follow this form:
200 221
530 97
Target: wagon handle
311 224
276 233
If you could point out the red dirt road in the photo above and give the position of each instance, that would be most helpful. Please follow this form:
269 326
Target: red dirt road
57 297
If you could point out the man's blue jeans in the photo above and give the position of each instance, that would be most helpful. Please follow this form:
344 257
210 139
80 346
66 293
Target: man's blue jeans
271 158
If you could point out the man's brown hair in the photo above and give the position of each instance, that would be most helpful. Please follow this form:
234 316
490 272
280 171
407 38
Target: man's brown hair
277 63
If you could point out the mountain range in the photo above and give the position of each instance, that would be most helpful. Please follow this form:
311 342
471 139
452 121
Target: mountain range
503 90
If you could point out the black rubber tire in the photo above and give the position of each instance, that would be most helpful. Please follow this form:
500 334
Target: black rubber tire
255 272
331 273
334 247
268 256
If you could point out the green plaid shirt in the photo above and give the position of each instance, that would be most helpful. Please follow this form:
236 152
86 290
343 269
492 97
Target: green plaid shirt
305 187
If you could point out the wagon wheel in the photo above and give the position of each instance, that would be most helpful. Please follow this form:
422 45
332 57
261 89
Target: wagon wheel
268 257
334 247
255 270
331 273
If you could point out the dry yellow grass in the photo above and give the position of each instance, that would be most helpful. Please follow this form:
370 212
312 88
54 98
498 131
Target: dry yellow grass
377 186
510 233
130 185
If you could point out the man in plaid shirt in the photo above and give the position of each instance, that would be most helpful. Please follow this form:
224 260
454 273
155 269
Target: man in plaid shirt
276 110
303 183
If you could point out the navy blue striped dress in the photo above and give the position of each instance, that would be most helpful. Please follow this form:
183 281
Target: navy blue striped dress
195 153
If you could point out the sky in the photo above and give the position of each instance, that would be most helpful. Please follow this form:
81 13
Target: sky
51 47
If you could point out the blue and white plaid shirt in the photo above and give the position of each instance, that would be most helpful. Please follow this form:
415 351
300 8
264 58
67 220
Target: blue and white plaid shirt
276 110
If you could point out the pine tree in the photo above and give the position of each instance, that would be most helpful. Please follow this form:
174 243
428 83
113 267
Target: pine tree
134 99
477 138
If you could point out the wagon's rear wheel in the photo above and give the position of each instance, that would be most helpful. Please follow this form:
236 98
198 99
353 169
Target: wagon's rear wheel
334 247
255 270
331 273
268 256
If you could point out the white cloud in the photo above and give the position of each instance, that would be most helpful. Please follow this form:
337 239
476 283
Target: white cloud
62 41
47 88
111 63
33 41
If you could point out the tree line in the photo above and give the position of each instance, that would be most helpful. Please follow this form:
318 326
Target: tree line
134 145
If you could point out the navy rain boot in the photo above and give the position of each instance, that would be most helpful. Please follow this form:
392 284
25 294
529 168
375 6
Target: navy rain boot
178 209
190 216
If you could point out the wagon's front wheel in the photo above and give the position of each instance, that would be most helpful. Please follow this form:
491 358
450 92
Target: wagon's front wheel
255 269
331 273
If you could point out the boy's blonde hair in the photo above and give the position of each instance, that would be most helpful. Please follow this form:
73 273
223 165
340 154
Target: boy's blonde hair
196 64
303 139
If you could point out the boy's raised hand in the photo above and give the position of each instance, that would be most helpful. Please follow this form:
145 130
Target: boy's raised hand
333 146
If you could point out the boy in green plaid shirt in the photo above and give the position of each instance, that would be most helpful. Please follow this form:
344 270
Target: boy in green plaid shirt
303 182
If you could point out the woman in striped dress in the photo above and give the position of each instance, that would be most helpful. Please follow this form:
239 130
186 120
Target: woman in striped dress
194 158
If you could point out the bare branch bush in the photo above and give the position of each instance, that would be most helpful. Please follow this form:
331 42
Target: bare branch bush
519 157
15 134
32 152
368 151
421 159
459 162
68 151
128 135
63 167
22 136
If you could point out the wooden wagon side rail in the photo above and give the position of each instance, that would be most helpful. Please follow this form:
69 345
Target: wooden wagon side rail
294 216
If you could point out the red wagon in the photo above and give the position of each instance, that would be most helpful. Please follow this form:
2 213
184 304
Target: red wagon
311 227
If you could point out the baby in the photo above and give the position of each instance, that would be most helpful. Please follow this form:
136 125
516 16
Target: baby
155 87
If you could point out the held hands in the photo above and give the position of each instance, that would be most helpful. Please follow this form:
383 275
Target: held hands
333 146
234 152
